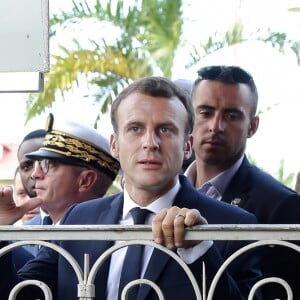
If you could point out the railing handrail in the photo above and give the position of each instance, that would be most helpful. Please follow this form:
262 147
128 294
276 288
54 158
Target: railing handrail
143 232
261 234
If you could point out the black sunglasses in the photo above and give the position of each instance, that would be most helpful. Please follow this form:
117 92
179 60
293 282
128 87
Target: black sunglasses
230 74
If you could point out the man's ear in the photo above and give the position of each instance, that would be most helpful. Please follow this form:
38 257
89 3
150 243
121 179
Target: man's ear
114 148
253 126
188 144
87 180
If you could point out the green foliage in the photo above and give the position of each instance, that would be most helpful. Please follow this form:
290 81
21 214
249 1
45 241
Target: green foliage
282 177
116 186
280 174
235 35
217 41
149 34
280 41
295 46
161 35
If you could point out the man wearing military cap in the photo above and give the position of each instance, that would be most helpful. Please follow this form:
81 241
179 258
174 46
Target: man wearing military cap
73 165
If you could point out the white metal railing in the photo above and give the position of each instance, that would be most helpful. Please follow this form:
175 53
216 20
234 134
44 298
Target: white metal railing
261 235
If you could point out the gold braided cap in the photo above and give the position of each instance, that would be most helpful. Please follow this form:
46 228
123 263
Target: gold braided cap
70 147
73 147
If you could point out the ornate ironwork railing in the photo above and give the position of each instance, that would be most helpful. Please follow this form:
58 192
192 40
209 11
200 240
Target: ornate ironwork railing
261 235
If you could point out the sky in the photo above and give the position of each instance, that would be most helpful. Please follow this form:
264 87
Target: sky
277 77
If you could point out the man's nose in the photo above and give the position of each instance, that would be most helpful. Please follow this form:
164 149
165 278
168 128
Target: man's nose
37 171
217 124
151 141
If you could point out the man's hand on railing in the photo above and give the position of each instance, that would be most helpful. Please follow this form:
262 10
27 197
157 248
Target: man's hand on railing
168 226
9 212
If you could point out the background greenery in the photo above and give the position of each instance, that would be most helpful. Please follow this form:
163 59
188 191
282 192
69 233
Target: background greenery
146 37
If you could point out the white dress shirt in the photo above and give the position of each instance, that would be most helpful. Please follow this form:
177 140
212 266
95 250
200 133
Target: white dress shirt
117 258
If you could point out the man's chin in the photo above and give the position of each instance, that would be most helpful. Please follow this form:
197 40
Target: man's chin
213 160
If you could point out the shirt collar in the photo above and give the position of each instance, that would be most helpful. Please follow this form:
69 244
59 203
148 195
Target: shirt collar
165 201
221 181
191 172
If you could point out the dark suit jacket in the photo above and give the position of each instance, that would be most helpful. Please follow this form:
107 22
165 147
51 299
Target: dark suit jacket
22 254
272 203
36 220
54 270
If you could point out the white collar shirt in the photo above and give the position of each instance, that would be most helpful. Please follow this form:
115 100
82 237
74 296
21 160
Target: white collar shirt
217 184
117 257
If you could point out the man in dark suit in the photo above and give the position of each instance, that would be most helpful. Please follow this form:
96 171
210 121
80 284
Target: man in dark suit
225 102
77 177
74 186
152 121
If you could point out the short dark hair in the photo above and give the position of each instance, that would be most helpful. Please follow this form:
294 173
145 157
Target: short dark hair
229 75
35 134
155 86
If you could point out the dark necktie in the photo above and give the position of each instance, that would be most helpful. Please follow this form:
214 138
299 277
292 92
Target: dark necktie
133 259
47 220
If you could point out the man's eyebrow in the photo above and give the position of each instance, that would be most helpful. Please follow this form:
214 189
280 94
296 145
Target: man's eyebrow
233 109
203 106
166 124
26 162
133 122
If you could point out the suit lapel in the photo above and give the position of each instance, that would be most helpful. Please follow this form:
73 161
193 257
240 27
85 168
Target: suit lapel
110 215
235 193
159 259
156 265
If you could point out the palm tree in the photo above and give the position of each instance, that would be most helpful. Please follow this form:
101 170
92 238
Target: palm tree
150 32
235 35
